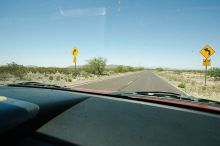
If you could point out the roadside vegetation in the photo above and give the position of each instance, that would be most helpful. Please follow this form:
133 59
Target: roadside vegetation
215 73
192 82
94 69
96 66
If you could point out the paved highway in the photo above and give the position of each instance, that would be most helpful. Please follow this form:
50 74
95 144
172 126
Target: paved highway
140 81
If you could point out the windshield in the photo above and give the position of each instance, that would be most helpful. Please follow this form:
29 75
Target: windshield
113 45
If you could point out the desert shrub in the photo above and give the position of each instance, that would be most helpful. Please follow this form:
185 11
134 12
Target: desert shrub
69 80
5 76
14 69
58 78
122 69
182 85
178 72
139 69
51 78
110 72
84 74
215 73
203 88
159 69
129 68
119 69
97 65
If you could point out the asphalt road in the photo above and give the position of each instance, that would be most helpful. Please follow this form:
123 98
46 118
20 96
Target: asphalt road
141 81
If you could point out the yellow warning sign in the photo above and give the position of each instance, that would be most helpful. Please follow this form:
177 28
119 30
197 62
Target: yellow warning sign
207 51
74 59
75 51
206 62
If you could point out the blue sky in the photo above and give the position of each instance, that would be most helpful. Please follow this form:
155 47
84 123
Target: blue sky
149 33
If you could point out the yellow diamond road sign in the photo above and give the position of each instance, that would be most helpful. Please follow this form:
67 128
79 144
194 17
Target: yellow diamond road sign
74 59
206 62
207 51
75 51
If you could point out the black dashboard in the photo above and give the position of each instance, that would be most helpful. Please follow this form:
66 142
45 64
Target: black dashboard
56 117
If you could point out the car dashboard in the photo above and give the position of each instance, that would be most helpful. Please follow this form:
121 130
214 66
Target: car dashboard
49 117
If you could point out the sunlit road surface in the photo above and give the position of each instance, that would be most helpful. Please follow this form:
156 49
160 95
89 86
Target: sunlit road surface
140 81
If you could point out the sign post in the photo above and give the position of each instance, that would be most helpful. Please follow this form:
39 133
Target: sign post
207 51
206 63
75 53
74 60
205 74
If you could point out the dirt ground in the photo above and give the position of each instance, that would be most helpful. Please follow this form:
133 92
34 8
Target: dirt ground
194 83
58 78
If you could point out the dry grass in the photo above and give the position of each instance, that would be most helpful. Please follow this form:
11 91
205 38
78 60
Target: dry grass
53 78
58 78
13 73
194 82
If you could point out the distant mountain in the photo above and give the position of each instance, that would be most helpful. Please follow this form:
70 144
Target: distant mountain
31 66
73 66
110 66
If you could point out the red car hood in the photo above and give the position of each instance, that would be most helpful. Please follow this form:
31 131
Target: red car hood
185 104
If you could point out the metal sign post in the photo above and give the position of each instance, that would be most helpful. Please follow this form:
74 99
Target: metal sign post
205 74
206 63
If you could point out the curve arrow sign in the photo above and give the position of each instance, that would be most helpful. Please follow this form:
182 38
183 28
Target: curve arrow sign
207 50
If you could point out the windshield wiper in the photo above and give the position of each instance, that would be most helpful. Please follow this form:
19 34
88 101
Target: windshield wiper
37 85
153 94
167 95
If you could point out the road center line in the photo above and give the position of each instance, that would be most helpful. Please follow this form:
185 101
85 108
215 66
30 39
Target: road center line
130 82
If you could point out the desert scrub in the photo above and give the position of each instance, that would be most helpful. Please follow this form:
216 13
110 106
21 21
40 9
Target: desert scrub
74 76
159 69
51 78
86 75
69 80
5 77
193 83
182 85
178 72
215 73
58 78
